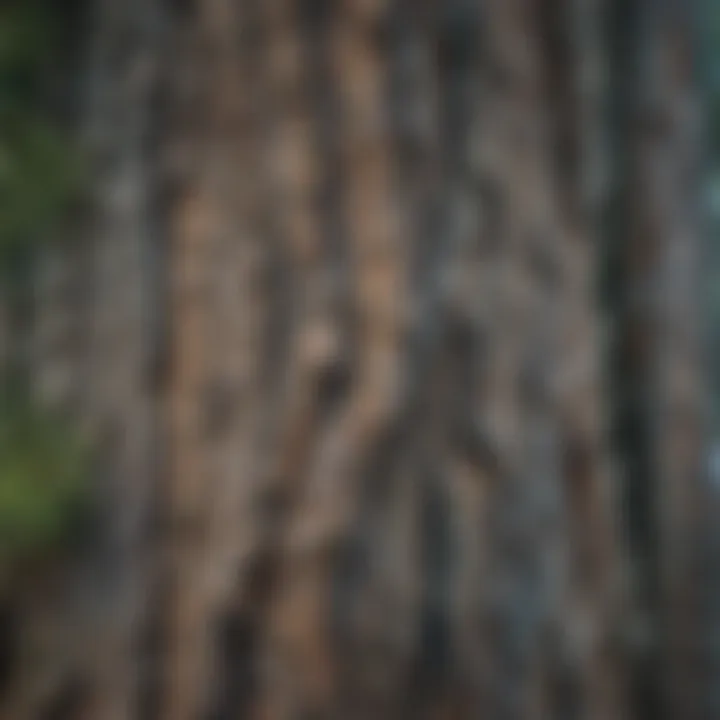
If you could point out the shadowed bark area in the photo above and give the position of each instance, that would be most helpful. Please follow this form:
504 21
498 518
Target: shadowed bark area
335 328
665 351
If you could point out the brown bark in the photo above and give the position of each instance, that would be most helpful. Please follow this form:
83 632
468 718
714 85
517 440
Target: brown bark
344 361
371 458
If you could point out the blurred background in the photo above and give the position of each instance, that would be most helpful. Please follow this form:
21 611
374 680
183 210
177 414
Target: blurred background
357 360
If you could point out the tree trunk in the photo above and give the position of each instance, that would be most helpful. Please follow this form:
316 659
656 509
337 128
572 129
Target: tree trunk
344 363
665 342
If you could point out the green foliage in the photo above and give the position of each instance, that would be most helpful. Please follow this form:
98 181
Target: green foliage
44 466
44 474
39 168
39 177
26 45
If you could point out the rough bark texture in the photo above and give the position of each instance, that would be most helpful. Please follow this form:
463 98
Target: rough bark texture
342 359
665 347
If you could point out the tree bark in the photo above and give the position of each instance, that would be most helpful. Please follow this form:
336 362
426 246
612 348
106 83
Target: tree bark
666 350
344 363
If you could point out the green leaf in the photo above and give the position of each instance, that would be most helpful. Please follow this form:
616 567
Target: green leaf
44 480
